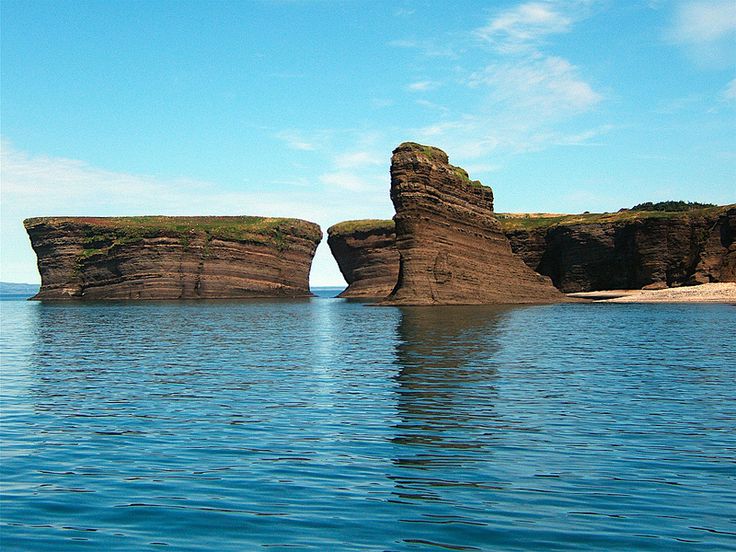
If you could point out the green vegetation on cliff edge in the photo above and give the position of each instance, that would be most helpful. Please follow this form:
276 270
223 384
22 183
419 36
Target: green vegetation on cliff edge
101 234
671 206
439 156
531 221
364 225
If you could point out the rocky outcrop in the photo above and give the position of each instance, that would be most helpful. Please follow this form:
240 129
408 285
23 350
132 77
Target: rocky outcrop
629 249
452 249
593 252
717 262
365 251
172 257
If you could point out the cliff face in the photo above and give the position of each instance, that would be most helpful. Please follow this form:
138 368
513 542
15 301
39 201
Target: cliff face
452 249
628 250
365 251
717 260
172 257
585 252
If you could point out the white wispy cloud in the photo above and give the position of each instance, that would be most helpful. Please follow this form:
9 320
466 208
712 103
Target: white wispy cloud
423 86
705 21
729 93
427 47
707 30
295 140
357 159
525 23
550 87
40 185
380 103
525 92
404 12
346 180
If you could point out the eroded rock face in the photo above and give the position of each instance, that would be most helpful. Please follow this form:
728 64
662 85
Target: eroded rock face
365 251
172 257
600 252
630 250
452 249
717 261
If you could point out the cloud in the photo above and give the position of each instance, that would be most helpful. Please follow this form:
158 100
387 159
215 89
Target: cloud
729 93
706 29
525 23
521 100
380 103
40 185
359 159
429 48
404 12
518 100
432 106
422 86
550 86
48 179
295 140
346 181
705 21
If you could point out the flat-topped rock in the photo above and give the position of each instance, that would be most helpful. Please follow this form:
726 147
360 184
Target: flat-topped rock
365 251
452 249
157 257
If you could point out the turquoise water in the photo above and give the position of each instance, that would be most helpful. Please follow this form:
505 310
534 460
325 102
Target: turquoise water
325 424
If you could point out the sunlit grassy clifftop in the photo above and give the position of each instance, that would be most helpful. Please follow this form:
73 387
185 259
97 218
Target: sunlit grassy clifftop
102 234
364 225
531 221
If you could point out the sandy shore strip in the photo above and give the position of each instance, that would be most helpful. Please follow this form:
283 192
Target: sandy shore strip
705 293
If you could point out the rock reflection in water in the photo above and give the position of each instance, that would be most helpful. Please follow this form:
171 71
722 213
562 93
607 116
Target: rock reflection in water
446 398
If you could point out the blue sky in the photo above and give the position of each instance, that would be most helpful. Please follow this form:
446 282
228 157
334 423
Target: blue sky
292 108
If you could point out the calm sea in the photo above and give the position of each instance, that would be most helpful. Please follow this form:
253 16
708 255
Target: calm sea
324 424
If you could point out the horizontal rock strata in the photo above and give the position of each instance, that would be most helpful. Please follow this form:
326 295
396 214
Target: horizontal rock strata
592 252
452 249
629 249
172 257
365 251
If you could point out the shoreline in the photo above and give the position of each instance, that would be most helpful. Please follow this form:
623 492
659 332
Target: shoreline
704 293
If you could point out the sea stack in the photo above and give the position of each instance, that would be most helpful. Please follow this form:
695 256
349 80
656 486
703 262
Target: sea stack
155 257
452 249
365 251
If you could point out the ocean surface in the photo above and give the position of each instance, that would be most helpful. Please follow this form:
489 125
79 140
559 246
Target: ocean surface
324 424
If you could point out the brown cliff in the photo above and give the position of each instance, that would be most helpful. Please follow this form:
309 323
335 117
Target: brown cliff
717 259
365 251
592 252
452 249
172 257
628 249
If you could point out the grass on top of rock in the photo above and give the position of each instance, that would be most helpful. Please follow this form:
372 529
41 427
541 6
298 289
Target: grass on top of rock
463 175
531 221
364 225
435 154
671 206
101 234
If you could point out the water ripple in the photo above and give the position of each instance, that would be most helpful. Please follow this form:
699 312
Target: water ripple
328 425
